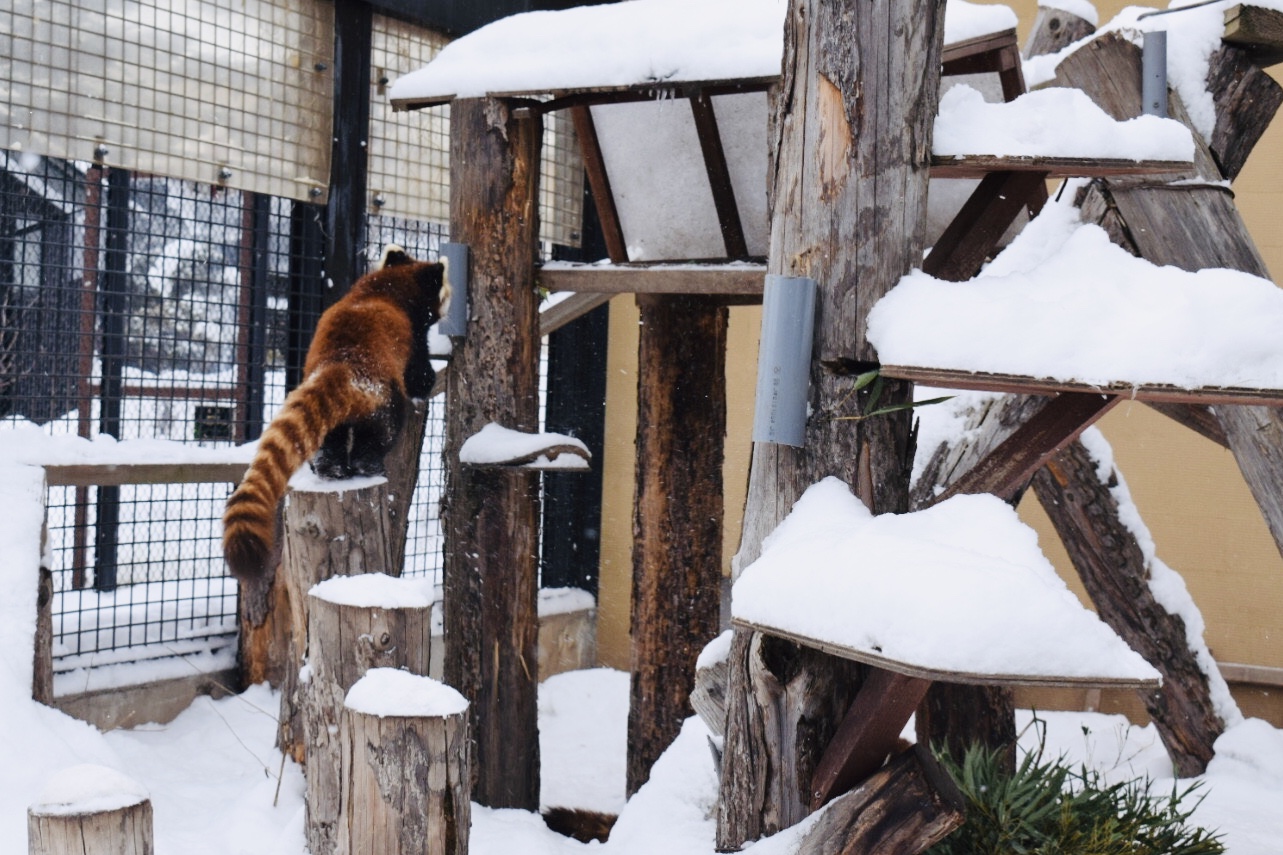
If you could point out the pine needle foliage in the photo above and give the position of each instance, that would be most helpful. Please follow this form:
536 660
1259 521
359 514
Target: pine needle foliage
1049 808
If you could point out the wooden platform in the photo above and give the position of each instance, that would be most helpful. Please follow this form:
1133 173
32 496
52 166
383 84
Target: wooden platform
970 678
730 280
980 165
946 378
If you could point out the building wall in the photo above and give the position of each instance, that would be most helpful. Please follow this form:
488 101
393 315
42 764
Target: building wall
1203 519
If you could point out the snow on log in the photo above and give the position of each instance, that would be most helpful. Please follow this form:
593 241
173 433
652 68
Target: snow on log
87 810
405 780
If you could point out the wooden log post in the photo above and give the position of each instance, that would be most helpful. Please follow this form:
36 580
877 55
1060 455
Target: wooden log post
1085 513
1054 29
850 141
490 516
677 515
90 810
906 807
405 772
329 528
402 465
355 623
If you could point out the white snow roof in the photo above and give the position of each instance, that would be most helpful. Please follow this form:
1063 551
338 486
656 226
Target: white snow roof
636 43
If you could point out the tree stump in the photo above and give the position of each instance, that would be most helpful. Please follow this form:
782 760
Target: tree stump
354 624
90 810
406 781
328 528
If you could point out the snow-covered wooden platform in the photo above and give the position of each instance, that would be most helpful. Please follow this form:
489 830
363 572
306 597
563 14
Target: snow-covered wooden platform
959 592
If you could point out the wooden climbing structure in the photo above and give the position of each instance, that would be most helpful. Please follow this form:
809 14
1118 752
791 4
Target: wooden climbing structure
847 179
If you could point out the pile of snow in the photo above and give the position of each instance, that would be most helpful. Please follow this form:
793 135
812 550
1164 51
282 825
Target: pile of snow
961 586
634 43
387 692
1054 122
1064 302
495 445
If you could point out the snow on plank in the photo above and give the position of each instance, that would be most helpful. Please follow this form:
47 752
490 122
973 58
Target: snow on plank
958 592
495 446
1064 309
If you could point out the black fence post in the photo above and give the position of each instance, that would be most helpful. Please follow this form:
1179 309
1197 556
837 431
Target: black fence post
345 208
113 296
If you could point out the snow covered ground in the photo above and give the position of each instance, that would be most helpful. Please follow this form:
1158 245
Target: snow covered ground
218 787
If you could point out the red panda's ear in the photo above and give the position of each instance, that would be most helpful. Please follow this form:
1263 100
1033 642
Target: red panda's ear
394 256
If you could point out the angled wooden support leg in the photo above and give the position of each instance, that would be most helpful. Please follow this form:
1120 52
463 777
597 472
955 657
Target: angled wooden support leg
868 733
981 222
1007 469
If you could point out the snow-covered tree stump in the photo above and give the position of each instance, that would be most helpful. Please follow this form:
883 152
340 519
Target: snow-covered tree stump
355 623
328 528
406 776
90 810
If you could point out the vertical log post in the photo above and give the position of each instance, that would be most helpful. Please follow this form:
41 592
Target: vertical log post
677 515
850 141
355 623
328 528
490 516
405 774
90 810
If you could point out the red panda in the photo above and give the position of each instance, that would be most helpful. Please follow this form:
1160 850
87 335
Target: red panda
368 357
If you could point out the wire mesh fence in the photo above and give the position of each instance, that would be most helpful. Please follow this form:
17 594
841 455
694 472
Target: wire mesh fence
166 285
153 308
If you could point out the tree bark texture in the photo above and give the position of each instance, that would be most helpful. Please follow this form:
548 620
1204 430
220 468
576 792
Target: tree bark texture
324 534
42 657
784 705
850 141
1246 100
121 831
343 643
402 465
405 785
677 515
490 517
906 807
1116 575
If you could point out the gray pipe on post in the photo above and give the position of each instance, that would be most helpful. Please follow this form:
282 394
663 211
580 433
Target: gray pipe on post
455 322
784 360
1153 84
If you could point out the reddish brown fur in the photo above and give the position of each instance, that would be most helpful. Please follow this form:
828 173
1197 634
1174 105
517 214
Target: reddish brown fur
368 355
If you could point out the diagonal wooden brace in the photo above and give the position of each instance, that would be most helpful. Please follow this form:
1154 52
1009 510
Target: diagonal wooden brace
1007 469
981 222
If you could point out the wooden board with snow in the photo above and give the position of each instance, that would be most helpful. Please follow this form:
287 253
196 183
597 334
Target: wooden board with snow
632 45
958 592
495 446
1064 309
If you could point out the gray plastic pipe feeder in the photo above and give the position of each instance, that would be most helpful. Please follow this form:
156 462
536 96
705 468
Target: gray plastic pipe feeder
1153 79
784 360
455 322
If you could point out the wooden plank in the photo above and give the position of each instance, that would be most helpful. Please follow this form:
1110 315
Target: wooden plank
950 378
965 244
599 183
648 91
1006 470
117 474
985 49
926 672
719 176
576 460
868 733
569 310
729 280
1258 29
980 165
